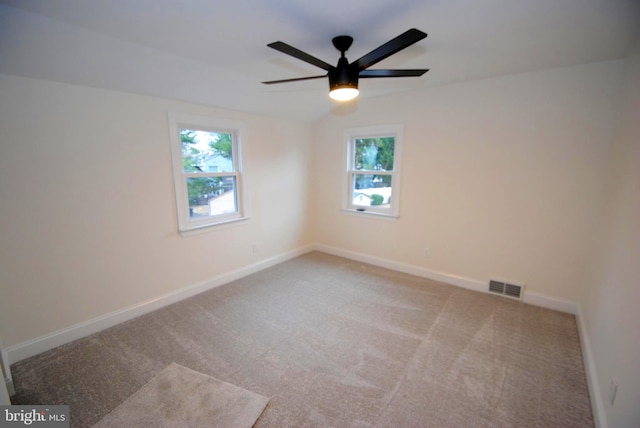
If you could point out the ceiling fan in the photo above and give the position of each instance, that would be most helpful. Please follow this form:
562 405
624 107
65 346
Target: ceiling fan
343 78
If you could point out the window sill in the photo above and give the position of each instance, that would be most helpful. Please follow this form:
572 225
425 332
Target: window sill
372 214
206 228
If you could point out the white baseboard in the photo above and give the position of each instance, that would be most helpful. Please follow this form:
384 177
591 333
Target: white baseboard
597 405
57 338
49 341
555 303
460 281
7 389
531 298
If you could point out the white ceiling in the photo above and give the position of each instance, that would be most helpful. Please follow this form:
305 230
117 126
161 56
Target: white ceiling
214 51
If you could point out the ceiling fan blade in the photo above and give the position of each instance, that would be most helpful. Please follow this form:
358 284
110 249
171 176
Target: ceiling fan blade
392 73
404 40
270 82
297 53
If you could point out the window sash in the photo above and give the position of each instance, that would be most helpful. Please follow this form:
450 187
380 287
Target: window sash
353 154
204 207
382 208
231 133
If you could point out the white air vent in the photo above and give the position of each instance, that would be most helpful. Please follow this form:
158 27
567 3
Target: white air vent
505 289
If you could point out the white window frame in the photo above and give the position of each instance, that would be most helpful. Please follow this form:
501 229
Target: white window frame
350 135
177 121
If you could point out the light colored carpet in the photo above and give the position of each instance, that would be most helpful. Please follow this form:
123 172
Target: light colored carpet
337 343
179 397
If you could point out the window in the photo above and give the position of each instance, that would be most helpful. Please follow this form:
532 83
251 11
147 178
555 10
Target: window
206 171
373 170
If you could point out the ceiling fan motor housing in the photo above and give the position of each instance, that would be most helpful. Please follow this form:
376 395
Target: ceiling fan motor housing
343 76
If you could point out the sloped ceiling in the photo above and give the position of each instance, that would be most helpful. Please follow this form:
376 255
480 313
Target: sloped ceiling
214 52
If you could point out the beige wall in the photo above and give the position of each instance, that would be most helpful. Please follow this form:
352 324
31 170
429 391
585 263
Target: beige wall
88 220
501 177
610 306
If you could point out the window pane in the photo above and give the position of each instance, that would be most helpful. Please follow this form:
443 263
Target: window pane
374 154
211 196
371 190
204 151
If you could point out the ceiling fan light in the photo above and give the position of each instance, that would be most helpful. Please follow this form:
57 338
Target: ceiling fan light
344 93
